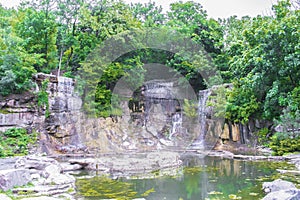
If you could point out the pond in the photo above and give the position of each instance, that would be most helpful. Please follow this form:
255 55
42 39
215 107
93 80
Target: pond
199 178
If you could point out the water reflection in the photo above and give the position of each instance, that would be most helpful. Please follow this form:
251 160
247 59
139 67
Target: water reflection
201 178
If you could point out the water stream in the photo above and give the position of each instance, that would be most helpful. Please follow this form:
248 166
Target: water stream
203 112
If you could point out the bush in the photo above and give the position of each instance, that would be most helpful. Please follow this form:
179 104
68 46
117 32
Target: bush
281 144
16 141
288 140
262 135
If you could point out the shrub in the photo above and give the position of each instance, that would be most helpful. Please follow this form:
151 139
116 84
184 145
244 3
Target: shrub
281 144
262 135
16 141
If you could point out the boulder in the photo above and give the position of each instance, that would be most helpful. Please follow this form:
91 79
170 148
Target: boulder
51 170
69 167
60 179
35 162
277 185
131 163
288 194
4 197
14 177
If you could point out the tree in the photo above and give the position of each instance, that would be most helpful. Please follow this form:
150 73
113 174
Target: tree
149 14
38 31
190 18
16 64
268 57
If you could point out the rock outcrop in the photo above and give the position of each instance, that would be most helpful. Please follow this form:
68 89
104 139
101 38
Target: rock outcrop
153 119
131 163
280 190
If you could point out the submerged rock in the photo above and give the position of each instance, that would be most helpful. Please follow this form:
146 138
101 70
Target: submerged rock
295 159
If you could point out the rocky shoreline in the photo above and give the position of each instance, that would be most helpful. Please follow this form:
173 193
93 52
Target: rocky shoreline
42 176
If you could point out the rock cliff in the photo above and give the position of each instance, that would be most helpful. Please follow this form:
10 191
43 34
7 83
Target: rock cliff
154 119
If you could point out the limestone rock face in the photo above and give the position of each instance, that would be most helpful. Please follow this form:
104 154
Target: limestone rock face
13 177
17 110
235 133
225 133
154 119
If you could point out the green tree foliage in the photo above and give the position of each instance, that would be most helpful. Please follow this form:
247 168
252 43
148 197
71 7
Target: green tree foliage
16 64
38 31
265 60
260 55
241 102
149 14
190 18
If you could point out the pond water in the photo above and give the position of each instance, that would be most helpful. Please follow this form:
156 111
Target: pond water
199 178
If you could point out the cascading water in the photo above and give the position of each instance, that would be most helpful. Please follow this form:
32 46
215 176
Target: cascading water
65 85
160 107
199 143
176 124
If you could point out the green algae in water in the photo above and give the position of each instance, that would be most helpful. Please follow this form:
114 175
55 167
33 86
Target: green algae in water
103 187
207 178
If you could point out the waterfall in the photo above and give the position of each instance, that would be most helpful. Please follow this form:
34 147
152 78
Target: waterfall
65 85
203 112
176 124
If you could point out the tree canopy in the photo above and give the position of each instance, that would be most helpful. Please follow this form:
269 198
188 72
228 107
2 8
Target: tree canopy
260 56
